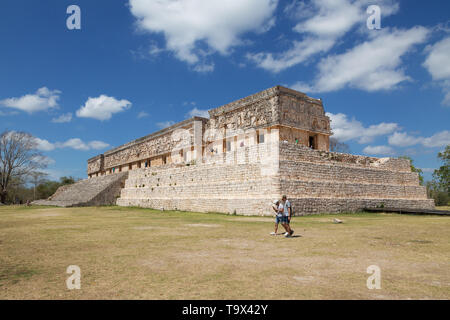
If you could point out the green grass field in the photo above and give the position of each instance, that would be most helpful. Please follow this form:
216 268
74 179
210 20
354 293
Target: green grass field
131 253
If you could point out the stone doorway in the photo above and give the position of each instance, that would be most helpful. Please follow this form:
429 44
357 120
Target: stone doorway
312 142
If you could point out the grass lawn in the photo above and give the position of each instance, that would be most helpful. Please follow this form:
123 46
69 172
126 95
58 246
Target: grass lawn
131 253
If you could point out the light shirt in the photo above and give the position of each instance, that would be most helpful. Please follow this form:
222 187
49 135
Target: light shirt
279 214
285 208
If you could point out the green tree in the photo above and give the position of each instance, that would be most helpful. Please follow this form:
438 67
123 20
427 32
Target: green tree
48 188
67 180
414 169
442 175
439 188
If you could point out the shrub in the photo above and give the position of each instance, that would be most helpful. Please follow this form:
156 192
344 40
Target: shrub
441 198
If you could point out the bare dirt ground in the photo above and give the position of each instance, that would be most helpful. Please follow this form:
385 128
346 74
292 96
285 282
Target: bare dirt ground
130 253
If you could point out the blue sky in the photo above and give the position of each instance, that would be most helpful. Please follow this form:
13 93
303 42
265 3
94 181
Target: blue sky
137 66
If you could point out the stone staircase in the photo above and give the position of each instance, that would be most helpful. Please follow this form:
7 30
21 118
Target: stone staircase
96 191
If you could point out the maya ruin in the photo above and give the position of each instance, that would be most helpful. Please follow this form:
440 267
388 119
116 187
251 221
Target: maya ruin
246 154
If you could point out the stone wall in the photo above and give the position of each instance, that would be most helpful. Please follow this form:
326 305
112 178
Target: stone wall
293 152
318 181
243 181
302 112
96 164
258 110
154 149
314 181
334 189
240 189
151 146
302 137
335 172
309 206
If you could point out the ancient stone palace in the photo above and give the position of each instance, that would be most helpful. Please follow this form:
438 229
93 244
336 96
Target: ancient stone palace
246 154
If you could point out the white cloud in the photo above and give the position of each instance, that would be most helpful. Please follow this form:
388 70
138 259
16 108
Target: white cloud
42 100
189 25
330 18
438 60
403 140
204 67
74 143
321 23
44 160
345 129
198 113
378 150
102 107
165 124
78 144
98 145
300 52
372 65
64 118
44 145
142 114
440 139
438 65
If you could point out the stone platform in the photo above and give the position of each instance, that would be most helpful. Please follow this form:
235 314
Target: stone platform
314 181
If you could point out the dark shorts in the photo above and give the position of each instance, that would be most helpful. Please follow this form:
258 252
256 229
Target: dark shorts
282 219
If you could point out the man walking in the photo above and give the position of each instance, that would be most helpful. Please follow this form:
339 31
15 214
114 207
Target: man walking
285 208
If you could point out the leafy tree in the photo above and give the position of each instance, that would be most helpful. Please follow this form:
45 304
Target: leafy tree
67 180
442 175
434 191
48 188
414 169
439 188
